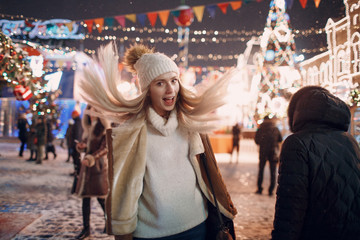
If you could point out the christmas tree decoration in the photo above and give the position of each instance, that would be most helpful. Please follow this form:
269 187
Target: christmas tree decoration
277 66
22 93
16 72
183 17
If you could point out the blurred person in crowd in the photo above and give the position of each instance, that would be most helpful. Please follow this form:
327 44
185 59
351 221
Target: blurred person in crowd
236 131
68 138
32 141
268 137
50 147
157 188
75 136
318 195
93 180
23 127
41 133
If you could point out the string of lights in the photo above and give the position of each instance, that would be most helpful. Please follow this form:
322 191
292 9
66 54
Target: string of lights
227 32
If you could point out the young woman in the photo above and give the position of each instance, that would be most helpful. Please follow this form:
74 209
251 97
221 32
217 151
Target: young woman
92 180
158 188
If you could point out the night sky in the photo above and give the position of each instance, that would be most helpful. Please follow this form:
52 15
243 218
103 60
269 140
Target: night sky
250 17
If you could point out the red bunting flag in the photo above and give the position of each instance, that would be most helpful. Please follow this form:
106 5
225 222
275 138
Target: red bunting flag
223 7
152 16
120 20
303 3
89 24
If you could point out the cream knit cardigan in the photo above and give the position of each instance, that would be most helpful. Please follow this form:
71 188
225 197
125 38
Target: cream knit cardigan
127 152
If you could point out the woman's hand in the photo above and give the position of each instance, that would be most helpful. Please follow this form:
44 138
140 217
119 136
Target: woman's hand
85 162
81 145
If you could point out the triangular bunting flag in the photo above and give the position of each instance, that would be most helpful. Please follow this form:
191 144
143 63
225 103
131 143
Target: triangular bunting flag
223 7
99 22
176 13
164 16
317 2
109 22
211 10
236 5
120 20
303 3
199 12
141 18
89 24
60 63
69 26
152 16
131 17
289 3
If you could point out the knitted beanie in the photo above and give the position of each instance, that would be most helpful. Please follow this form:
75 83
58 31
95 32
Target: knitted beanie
147 64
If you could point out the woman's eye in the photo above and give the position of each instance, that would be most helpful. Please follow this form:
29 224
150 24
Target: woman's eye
174 80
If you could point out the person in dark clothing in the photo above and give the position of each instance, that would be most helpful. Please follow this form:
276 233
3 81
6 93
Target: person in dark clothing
76 135
49 140
68 138
93 180
236 131
268 137
41 133
318 194
23 127
31 144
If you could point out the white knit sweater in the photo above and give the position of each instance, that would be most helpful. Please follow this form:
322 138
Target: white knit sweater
171 201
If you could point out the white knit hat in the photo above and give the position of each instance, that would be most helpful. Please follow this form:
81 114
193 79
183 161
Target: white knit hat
152 65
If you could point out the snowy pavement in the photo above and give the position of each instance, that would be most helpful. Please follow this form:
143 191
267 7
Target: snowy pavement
44 189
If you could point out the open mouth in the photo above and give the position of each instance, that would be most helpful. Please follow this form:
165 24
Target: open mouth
169 101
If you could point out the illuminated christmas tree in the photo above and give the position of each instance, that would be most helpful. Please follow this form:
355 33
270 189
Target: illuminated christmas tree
279 76
15 72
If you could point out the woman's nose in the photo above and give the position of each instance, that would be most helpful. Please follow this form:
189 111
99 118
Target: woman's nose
169 87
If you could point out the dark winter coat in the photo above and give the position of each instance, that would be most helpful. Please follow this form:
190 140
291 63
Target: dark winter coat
268 137
50 136
93 181
318 194
76 132
41 132
23 127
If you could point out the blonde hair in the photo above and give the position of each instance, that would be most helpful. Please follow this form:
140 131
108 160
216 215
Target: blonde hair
99 88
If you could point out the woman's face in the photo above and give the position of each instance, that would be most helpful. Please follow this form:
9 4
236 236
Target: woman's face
163 92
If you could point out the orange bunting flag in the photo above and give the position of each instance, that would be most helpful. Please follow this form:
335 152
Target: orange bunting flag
303 3
164 16
99 23
223 7
317 2
69 26
199 12
131 17
152 16
120 20
236 5
89 24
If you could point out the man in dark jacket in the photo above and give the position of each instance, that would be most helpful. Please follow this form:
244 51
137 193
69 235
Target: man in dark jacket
76 136
23 127
268 137
318 195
